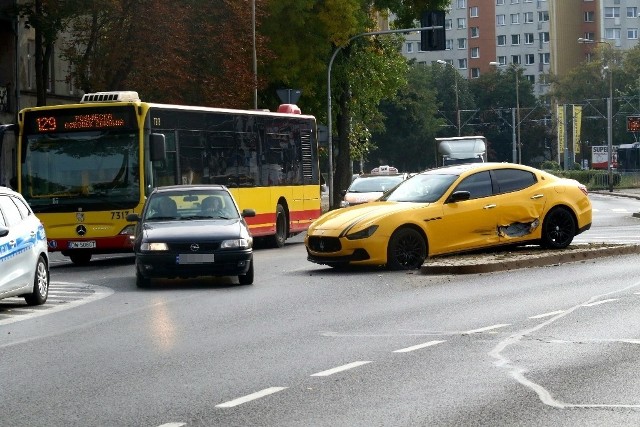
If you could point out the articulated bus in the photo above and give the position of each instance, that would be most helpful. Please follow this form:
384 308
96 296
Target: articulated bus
84 167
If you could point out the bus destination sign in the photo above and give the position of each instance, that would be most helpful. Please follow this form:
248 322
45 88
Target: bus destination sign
80 119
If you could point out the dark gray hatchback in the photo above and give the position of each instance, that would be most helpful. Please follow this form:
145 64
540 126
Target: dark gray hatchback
190 231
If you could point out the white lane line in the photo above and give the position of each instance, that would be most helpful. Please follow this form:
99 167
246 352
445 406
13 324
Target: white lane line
488 328
604 301
418 347
341 368
551 313
622 210
250 397
173 425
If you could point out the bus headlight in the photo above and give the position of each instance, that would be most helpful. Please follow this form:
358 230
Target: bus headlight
129 229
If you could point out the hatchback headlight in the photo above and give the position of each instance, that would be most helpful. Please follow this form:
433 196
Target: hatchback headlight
236 244
154 247
363 234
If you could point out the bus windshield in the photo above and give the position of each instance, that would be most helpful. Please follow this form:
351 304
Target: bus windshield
88 170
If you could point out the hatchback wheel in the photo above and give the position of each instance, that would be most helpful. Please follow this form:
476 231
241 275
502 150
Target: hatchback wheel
40 284
247 279
558 229
407 250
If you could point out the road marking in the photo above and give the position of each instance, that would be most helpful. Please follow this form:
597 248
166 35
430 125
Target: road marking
340 368
552 313
173 425
619 210
604 301
250 397
418 347
488 328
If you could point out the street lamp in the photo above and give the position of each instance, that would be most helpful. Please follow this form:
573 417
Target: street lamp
254 56
609 114
455 79
333 57
517 143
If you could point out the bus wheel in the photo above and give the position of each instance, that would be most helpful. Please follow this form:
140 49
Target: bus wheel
81 258
277 240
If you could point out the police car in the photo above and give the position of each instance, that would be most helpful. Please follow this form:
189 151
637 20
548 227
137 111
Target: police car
24 261
367 187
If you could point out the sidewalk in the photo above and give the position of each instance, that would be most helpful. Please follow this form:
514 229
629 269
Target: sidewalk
633 193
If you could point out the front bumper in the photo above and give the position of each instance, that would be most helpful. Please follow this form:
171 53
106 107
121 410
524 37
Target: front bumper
165 265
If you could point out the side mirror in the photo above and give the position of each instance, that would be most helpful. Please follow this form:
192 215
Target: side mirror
248 213
459 196
133 217
157 147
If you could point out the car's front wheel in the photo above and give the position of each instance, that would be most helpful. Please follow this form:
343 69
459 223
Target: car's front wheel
40 284
247 279
142 281
558 229
407 250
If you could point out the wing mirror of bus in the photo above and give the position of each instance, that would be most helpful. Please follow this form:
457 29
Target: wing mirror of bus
248 213
157 147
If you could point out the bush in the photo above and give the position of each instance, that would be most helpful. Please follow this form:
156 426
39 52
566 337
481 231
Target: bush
550 165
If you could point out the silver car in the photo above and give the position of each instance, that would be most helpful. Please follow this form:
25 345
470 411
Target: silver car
24 261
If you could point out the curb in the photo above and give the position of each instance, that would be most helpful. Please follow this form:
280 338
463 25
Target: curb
488 263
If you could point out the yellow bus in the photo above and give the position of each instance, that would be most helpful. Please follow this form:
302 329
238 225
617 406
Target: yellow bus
84 167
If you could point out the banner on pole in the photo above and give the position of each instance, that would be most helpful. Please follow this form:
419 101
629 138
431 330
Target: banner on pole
561 132
577 120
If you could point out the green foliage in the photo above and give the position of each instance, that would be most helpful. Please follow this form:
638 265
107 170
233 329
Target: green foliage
550 165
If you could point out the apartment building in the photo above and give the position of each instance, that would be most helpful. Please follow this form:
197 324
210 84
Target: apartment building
539 36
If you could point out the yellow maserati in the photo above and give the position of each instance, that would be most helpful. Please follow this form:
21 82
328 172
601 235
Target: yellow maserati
453 209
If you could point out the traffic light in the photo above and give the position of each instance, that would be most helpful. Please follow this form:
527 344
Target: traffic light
432 39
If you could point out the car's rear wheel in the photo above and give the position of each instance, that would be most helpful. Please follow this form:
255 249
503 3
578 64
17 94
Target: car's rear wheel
407 250
40 284
81 258
558 228
247 279
142 281
278 239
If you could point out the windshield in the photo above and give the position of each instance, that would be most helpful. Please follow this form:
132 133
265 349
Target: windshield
192 205
92 170
370 184
422 188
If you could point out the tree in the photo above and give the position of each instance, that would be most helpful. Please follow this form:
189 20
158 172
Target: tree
48 18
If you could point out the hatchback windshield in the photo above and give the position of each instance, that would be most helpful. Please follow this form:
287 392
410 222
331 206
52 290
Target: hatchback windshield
167 206
422 188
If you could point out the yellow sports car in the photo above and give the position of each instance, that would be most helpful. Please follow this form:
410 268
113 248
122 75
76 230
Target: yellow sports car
453 209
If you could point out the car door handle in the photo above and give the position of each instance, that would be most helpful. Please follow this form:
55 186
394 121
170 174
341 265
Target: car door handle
489 206
537 196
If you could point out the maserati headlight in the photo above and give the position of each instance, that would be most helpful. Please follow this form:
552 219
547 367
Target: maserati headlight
363 234
236 244
154 247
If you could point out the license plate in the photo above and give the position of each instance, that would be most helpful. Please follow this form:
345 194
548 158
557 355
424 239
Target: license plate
195 258
82 245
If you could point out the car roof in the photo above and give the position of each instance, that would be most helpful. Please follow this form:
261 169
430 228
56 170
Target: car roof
463 168
190 187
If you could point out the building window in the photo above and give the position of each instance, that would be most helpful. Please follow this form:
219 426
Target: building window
544 58
543 16
528 38
632 12
475 32
473 12
612 33
515 18
531 78
475 73
590 35
612 12
499 2
462 63
475 52
448 24
589 16
462 4
500 20
515 1
515 39
448 44
529 59
502 60
462 23
462 43
409 47
515 59
632 33
528 17
544 37
502 40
